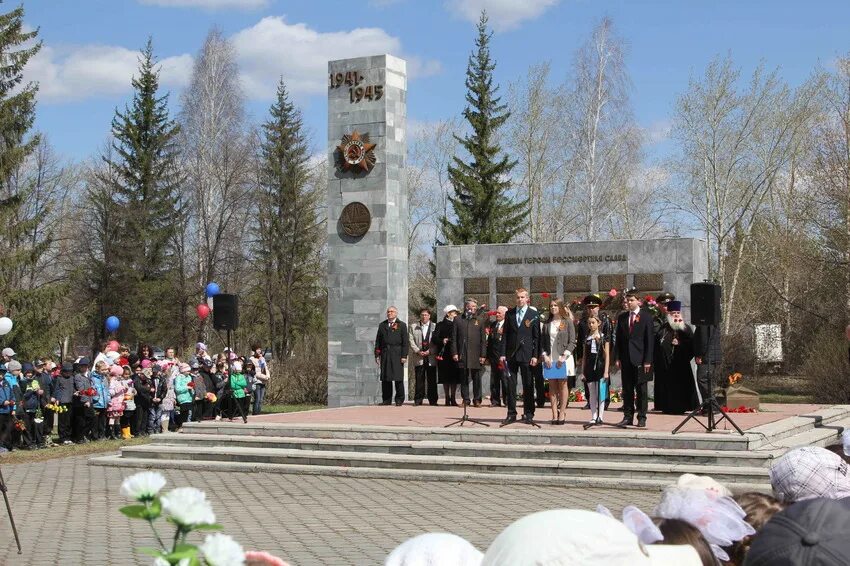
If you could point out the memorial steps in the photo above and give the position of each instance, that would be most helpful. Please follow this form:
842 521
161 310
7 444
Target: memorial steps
600 457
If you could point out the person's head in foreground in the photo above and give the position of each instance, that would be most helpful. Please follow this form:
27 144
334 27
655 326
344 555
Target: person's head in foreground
810 533
809 472
571 537
435 549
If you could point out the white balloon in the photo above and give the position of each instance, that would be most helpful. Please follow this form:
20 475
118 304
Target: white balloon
5 325
210 302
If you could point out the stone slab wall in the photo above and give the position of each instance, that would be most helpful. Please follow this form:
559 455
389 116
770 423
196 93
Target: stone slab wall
366 274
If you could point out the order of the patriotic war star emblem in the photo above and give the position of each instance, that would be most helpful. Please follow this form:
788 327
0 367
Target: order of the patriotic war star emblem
355 152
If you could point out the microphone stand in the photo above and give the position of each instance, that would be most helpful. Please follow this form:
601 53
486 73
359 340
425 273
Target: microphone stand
3 488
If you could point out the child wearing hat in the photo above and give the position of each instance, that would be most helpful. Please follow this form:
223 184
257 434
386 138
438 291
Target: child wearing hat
63 396
184 390
83 421
100 401
32 437
115 407
239 388
7 411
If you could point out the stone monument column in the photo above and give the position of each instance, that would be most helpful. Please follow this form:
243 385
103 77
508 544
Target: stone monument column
367 218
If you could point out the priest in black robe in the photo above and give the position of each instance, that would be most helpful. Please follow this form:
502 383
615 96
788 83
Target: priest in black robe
676 392
391 347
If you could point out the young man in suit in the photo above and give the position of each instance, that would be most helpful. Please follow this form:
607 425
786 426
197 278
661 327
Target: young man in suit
635 345
425 363
496 353
522 334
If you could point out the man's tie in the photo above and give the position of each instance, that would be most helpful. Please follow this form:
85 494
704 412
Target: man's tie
631 322
518 316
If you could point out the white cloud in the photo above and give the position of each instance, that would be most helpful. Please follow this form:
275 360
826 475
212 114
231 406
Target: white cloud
659 131
265 51
503 14
75 73
209 4
273 47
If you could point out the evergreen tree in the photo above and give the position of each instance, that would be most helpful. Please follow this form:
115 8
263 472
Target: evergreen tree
26 298
484 212
289 227
146 191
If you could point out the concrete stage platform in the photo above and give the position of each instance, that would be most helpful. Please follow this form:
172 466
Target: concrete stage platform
436 416
410 442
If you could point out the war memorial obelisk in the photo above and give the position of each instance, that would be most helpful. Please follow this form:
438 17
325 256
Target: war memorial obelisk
367 218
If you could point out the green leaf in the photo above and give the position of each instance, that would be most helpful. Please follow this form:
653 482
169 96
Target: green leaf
155 552
135 511
213 527
183 551
154 510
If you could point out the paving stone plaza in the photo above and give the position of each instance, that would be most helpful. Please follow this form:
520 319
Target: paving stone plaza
303 519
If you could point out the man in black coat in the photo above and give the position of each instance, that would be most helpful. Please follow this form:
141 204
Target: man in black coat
391 346
471 348
635 344
522 334
495 355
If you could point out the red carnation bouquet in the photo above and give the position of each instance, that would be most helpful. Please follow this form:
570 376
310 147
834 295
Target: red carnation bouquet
90 392
191 384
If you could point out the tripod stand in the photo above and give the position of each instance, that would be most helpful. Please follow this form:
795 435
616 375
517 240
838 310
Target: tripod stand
465 418
709 407
9 510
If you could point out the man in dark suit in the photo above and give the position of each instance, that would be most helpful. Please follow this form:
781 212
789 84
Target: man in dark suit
471 346
635 345
522 334
391 346
495 355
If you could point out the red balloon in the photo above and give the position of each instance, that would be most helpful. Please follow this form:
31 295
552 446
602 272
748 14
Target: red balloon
203 311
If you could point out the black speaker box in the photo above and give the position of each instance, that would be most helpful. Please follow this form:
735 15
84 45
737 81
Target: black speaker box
225 312
705 304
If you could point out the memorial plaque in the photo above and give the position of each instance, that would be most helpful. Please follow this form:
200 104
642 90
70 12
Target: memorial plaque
480 285
508 285
608 282
649 282
505 300
544 285
577 284
355 219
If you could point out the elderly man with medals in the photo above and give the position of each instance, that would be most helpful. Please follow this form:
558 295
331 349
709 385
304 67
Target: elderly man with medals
391 346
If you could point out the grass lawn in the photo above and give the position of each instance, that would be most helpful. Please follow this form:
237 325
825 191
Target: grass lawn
20 456
289 408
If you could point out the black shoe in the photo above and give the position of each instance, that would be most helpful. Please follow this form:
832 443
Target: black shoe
586 406
588 425
417 403
528 419
399 403
641 423
509 420
624 423
541 405
385 402
495 404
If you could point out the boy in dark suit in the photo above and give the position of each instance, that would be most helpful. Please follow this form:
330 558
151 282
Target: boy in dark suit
635 343
522 334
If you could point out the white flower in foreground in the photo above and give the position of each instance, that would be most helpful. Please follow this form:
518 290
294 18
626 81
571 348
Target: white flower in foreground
188 506
142 486
221 550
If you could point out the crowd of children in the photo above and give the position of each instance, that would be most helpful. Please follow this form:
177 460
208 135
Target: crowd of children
123 395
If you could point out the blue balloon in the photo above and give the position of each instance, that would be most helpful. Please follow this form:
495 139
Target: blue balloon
112 323
212 289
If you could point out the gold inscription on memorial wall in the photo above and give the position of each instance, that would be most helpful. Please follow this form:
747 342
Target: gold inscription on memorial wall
563 259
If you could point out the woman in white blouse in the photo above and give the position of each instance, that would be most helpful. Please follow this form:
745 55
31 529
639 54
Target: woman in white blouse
557 342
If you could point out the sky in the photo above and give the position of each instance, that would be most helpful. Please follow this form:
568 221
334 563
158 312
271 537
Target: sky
91 47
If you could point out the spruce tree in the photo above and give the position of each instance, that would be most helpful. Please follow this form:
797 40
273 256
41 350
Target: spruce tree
484 212
289 226
144 162
26 297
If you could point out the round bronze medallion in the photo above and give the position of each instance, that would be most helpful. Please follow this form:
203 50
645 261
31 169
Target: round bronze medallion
355 219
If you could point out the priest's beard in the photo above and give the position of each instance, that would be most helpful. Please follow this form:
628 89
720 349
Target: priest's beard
675 322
